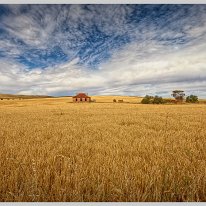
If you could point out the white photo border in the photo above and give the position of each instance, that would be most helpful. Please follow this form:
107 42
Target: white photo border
103 2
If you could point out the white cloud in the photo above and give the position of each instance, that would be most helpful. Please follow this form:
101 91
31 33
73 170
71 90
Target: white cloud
146 65
163 70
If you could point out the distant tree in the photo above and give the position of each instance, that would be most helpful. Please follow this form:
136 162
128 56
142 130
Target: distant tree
147 99
114 100
158 100
192 99
153 100
178 95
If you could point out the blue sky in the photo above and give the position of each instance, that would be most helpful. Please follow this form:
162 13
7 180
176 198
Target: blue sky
103 49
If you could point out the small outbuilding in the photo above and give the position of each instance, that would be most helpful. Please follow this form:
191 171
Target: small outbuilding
81 97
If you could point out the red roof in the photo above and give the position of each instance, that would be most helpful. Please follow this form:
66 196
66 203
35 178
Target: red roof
81 95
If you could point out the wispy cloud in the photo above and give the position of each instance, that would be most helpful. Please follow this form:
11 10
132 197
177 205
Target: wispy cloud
102 49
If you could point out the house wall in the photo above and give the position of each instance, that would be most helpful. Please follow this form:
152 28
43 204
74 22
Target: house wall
81 99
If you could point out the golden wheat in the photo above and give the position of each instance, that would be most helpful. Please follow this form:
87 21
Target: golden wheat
54 150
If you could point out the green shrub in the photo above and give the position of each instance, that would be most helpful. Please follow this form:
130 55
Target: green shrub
152 100
158 100
192 99
147 99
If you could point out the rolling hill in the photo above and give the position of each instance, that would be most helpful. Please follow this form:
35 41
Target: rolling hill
13 96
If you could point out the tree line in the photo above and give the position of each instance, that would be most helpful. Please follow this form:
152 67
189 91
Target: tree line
178 95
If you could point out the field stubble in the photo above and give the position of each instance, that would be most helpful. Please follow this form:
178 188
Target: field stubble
53 150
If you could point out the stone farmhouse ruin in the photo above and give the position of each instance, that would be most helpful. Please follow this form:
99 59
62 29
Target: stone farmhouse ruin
81 97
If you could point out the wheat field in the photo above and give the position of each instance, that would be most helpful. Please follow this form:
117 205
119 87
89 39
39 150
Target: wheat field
55 150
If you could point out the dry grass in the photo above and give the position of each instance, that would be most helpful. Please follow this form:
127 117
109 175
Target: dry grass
52 150
126 99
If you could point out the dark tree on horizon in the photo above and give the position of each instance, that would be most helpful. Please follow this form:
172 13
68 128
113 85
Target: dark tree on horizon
178 95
